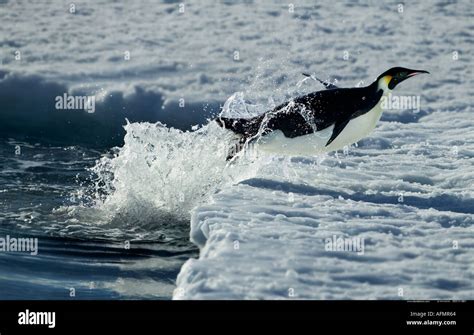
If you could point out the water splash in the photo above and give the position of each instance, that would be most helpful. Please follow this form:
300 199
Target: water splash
160 174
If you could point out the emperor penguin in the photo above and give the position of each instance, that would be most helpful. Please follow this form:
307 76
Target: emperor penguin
321 121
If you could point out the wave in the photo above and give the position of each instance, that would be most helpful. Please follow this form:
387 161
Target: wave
28 112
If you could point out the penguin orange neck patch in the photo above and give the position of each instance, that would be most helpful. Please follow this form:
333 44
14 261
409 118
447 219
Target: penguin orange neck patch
383 82
387 79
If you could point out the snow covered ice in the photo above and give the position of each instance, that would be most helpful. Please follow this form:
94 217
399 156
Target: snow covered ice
407 190
416 224
262 224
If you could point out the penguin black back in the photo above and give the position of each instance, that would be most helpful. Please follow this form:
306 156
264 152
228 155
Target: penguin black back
318 111
322 109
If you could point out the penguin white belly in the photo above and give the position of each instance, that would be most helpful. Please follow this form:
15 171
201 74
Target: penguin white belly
310 144
315 143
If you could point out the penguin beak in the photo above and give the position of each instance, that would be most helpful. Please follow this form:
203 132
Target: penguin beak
416 72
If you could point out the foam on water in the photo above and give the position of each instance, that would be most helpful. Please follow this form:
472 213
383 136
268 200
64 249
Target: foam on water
159 175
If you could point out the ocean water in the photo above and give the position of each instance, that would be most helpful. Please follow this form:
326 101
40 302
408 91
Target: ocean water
82 250
136 200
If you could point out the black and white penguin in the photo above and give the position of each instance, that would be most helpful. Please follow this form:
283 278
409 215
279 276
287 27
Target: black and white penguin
321 121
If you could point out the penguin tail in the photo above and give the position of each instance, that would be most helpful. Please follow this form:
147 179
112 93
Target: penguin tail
246 129
238 126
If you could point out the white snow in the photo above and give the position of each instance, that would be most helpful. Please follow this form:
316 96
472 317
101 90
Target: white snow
407 189
411 202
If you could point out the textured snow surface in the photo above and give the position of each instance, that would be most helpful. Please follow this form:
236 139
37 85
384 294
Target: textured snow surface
411 201
407 190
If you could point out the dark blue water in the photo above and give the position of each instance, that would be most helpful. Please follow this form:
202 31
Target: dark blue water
44 194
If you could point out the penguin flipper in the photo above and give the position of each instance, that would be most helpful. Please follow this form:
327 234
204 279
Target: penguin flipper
338 128
326 84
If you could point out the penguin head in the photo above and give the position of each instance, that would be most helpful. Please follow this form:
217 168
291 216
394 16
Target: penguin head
391 78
